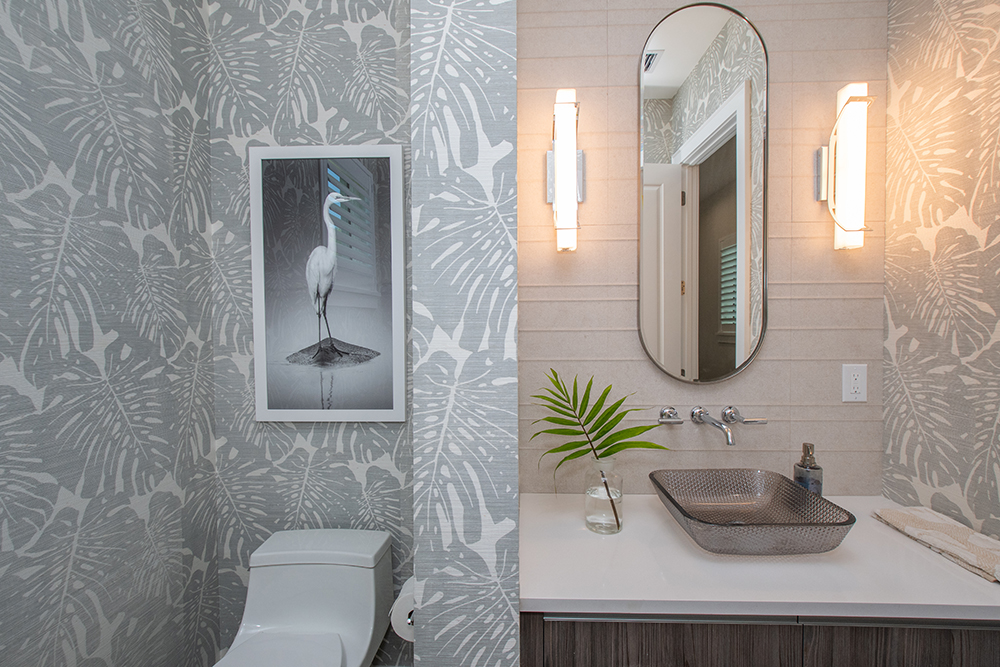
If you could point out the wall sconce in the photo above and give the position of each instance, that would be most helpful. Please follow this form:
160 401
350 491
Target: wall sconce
840 167
565 170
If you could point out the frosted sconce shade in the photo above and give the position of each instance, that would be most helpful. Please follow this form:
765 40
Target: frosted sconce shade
565 168
842 167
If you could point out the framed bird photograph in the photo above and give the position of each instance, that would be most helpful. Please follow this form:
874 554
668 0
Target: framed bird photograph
328 272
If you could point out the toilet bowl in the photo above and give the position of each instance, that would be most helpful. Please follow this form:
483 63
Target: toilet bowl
316 598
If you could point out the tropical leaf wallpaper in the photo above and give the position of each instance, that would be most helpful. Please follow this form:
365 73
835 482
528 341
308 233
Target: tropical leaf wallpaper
108 554
657 133
942 293
464 249
134 479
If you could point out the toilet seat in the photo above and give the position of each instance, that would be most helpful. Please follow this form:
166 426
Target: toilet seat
285 649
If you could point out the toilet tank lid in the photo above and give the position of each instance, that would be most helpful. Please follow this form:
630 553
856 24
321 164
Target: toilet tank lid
326 546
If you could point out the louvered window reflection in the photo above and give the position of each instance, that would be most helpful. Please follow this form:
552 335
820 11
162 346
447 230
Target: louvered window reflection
355 221
727 288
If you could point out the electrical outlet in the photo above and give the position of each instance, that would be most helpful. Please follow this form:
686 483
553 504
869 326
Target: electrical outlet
855 383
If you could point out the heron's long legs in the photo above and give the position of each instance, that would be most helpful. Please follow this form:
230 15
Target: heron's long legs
319 346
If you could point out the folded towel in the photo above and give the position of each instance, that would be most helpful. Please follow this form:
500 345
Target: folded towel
973 551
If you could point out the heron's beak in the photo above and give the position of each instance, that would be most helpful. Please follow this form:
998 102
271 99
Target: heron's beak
340 199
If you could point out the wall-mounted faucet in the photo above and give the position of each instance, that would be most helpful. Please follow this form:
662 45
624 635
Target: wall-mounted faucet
699 415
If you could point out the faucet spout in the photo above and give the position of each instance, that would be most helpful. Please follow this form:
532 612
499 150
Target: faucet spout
699 415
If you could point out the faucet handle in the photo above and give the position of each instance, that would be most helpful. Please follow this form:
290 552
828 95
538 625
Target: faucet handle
669 415
731 415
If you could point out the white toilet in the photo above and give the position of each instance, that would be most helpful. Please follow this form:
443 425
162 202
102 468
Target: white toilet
316 598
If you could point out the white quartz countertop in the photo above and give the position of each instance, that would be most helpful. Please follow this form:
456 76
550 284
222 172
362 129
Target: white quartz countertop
653 567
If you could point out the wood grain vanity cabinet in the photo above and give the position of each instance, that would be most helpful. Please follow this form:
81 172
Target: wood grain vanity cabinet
586 643
704 610
832 646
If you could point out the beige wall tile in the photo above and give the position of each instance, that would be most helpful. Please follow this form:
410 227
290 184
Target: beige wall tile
562 42
837 413
840 34
546 317
849 435
530 17
779 107
833 345
578 72
860 65
562 7
780 65
852 473
774 11
627 39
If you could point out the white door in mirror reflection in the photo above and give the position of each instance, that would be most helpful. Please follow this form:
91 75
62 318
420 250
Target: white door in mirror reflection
661 267
690 267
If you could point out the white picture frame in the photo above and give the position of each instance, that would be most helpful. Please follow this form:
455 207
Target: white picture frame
350 365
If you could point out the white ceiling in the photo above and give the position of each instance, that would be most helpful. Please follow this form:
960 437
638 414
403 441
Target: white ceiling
683 37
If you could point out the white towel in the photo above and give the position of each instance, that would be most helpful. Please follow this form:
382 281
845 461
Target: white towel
973 551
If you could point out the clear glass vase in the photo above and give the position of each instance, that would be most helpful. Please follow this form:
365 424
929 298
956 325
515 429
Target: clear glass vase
603 504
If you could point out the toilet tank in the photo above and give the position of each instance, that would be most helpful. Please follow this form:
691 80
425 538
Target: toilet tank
317 581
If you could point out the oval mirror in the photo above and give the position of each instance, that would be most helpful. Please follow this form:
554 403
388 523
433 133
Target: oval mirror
703 111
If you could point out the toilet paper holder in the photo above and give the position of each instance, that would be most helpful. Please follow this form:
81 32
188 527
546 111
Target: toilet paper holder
401 613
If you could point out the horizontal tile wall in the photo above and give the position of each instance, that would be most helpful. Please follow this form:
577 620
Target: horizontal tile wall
578 311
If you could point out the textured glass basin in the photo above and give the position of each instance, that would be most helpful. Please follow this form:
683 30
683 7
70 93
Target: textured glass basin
751 512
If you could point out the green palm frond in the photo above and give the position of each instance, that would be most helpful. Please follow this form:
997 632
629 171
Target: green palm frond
597 424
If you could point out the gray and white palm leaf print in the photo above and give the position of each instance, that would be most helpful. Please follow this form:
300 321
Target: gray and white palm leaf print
943 294
982 486
95 387
317 482
735 56
478 603
154 304
468 228
120 444
28 497
371 81
190 381
233 319
229 78
66 272
146 32
235 416
305 54
245 515
134 480
190 193
109 130
657 134
920 406
76 578
464 331
200 616
21 165
456 43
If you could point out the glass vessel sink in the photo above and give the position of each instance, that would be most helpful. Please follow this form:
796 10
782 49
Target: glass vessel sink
751 512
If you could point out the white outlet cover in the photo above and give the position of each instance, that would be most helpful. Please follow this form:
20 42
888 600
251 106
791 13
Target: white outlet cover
855 383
